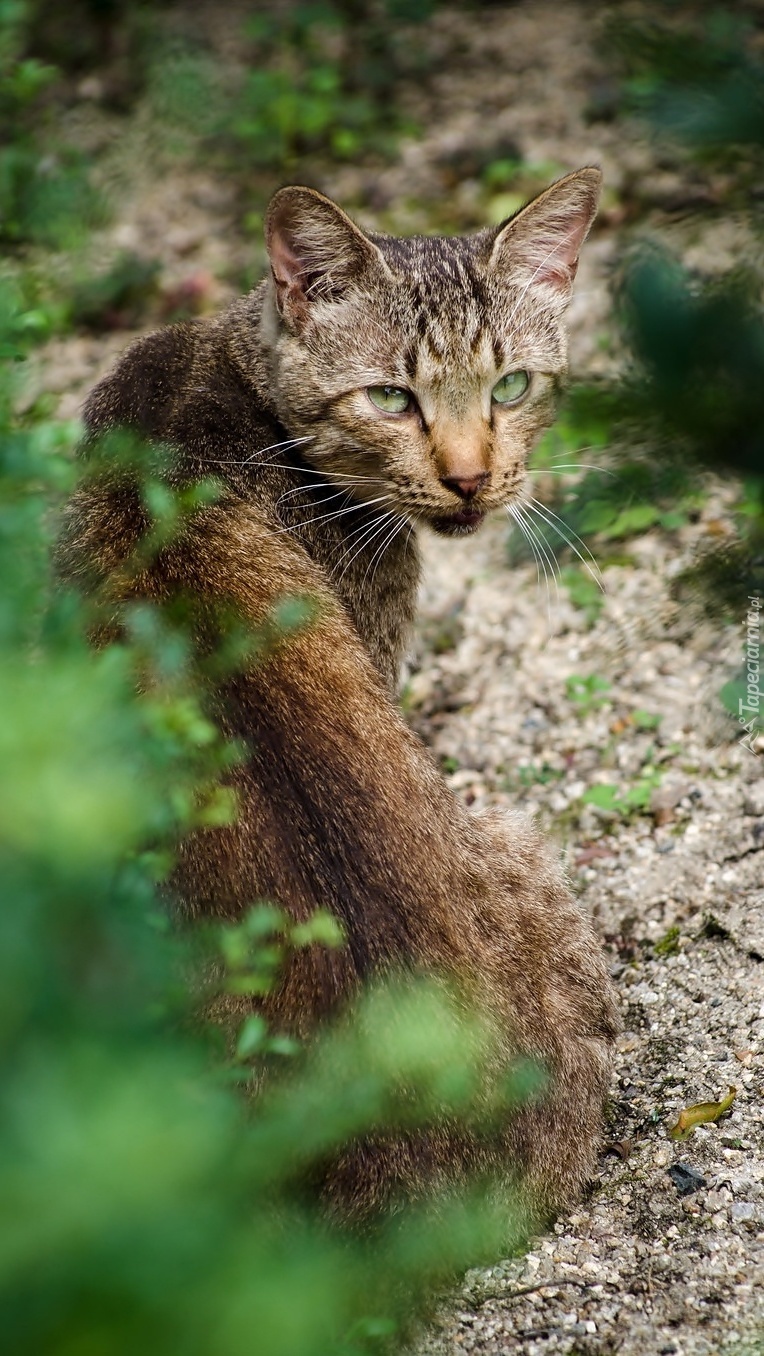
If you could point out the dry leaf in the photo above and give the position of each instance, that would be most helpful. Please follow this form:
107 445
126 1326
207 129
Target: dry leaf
701 1114
592 851
620 1148
663 816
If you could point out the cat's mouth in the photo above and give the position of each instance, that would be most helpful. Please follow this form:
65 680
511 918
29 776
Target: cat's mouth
457 524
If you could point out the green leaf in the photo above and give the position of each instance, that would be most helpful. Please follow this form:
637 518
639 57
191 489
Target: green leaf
631 520
252 1036
603 795
646 720
322 928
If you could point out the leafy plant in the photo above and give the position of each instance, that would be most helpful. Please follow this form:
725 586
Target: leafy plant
645 720
148 1205
322 79
46 194
668 944
587 693
630 801
690 401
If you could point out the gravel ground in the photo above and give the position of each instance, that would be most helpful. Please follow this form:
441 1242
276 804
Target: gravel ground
677 896
675 890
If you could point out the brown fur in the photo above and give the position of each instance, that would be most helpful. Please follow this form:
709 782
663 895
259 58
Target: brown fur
341 806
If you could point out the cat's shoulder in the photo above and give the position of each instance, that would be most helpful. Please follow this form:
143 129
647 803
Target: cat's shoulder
143 387
183 380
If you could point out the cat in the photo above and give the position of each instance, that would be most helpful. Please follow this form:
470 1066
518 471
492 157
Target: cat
369 387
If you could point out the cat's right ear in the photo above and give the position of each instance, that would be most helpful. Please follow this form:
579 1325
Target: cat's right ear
541 243
316 252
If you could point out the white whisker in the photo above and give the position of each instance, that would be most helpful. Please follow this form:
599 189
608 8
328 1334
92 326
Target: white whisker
511 509
298 470
377 525
327 517
561 528
304 489
380 551
308 470
546 556
289 442
575 466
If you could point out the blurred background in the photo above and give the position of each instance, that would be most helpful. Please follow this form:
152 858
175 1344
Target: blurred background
139 144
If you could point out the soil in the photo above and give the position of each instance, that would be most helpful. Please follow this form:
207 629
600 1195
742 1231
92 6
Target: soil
675 886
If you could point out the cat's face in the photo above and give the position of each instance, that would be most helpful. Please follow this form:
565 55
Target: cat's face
421 371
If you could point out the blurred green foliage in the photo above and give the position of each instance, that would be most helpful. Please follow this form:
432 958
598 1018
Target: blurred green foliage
309 81
625 801
587 693
46 193
322 78
147 1206
117 297
690 399
697 74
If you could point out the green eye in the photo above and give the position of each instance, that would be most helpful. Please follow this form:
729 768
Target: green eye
510 388
390 399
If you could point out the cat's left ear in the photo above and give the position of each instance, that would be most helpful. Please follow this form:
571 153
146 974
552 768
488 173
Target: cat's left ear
316 252
544 239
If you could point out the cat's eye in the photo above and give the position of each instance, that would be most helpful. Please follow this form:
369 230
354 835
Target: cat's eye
510 388
389 399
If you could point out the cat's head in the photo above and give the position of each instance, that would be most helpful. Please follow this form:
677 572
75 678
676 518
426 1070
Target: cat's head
422 370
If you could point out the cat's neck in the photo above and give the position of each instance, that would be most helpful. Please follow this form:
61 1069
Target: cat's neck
376 575
371 558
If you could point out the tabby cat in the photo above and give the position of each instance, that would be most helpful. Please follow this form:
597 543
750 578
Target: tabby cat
369 388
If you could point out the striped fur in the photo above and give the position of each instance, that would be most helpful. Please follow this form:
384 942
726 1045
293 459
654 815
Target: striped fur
340 805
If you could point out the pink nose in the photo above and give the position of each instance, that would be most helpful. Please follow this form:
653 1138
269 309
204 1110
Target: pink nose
466 486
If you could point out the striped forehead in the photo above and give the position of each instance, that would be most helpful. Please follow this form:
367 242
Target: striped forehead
453 358
449 343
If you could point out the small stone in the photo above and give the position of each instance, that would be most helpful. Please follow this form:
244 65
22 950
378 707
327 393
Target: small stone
686 1179
742 1211
754 801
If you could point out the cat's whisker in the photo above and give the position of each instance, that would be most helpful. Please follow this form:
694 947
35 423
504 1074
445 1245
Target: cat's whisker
380 551
539 561
575 466
568 535
309 471
546 551
304 489
328 517
358 533
581 451
273 447
546 556
512 511
316 503
366 538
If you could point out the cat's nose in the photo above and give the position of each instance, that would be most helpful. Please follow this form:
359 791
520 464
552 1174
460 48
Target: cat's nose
466 486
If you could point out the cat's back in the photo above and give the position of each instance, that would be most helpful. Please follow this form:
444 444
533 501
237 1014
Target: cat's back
183 383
